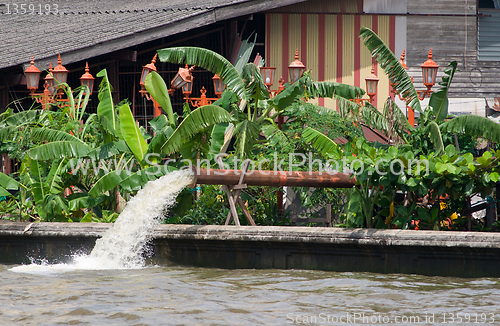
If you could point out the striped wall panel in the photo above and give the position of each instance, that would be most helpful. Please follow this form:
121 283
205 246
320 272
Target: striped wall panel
328 45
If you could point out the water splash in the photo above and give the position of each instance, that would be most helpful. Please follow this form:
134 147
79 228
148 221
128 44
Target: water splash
123 245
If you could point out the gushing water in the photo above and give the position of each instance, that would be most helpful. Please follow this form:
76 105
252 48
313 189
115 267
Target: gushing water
122 246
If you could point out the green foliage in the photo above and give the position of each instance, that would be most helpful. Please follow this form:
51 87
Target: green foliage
392 67
439 98
157 88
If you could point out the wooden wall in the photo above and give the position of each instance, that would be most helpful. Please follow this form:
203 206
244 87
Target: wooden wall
451 31
326 35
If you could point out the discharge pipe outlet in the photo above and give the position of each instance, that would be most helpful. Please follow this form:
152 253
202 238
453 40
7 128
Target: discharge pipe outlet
275 178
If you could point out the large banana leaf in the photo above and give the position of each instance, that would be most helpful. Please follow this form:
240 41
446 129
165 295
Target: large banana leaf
274 134
158 123
156 86
330 89
439 98
390 63
131 133
436 137
287 96
247 134
244 53
51 135
53 180
473 125
209 60
217 139
108 150
373 118
7 133
106 106
19 118
140 178
107 182
59 149
256 89
195 122
108 128
7 182
322 143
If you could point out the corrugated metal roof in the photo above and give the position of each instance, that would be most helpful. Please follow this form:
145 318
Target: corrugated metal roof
90 24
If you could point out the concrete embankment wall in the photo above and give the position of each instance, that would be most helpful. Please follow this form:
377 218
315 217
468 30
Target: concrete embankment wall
463 254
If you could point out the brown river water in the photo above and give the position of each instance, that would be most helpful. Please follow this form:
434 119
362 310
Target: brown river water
179 295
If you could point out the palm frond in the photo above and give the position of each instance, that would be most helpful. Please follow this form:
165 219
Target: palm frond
58 149
209 60
140 178
8 182
390 63
322 143
108 150
330 89
439 98
247 133
7 133
156 86
256 89
373 118
436 137
105 183
217 139
195 122
50 135
131 133
20 118
274 134
106 106
244 53
473 125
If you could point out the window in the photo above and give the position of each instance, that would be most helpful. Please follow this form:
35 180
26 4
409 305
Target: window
488 26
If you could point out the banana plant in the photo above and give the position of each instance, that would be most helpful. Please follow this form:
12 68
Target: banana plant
247 98
431 119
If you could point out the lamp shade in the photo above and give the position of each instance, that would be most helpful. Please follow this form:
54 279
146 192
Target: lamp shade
187 88
146 70
429 71
218 85
296 68
182 77
60 73
371 83
49 79
268 74
87 79
32 74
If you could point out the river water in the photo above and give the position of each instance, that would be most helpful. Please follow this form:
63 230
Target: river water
177 295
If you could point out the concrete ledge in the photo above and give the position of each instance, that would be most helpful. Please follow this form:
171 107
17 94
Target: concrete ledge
464 254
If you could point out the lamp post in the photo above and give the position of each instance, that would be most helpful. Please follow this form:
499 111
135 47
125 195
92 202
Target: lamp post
371 84
295 71
32 74
203 99
87 80
371 87
296 68
429 74
54 77
180 80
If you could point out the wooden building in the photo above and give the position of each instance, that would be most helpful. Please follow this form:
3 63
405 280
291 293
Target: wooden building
123 36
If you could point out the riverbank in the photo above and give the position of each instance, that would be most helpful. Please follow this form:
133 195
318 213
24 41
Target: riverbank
445 253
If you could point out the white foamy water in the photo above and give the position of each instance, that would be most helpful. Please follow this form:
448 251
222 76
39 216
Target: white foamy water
123 246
